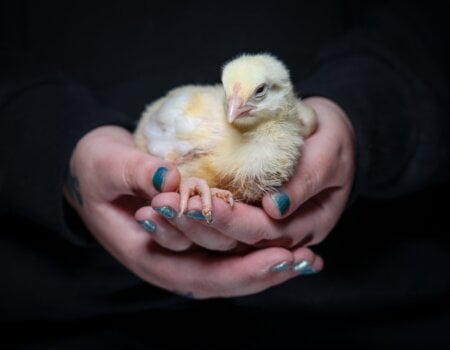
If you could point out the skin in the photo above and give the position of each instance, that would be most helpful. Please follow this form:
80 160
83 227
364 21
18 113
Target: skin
113 179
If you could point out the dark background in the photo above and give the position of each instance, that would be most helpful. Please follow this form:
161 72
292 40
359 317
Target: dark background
386 279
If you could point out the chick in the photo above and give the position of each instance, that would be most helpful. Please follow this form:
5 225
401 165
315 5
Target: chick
238 140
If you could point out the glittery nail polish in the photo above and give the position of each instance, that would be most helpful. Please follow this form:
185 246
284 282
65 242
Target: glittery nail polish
304 268
195 214
158 178
166 211
282 266
281 201
147 225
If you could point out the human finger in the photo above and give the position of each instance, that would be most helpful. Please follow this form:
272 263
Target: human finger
192 223
200 274
107 159
161 231
145 175
327 161
306 261
308 225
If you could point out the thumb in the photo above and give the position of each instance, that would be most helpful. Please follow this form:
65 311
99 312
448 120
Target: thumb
146 175
327 161
135 172
109 165
310 178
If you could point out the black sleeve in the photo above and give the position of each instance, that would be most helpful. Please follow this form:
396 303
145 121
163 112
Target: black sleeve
43 113
390 74
41 119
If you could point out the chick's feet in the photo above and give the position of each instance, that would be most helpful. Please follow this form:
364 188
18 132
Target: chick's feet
195 186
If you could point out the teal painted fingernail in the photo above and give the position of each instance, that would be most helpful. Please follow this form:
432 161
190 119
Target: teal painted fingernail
166 211
282 266
195 214
281 201
304 268
147 225
158 178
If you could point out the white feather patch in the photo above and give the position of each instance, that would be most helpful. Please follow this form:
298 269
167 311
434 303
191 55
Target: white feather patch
165 123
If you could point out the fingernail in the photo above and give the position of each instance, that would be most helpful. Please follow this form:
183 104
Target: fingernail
195 214
304 268
282 266
147 225
281 201
158 178
166 211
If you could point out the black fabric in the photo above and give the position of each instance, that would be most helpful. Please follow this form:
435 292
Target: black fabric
68 67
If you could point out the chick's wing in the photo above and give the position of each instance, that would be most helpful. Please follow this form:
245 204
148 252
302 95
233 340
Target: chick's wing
187 122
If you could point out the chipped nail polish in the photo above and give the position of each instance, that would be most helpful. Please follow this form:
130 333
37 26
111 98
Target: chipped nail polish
158 178
166 211
147 225
195 214
281 201
282 266
304 268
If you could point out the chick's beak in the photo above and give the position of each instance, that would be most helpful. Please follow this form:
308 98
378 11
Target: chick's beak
236 108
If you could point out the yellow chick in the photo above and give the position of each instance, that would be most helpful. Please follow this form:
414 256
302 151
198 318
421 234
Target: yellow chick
238 140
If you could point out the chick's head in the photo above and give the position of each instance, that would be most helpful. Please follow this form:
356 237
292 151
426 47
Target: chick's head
256 87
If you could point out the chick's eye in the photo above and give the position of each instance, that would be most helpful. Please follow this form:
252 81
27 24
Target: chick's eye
261 91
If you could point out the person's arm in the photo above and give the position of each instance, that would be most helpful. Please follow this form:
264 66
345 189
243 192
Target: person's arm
390 75
42 116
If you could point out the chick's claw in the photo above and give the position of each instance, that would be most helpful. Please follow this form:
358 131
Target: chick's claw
195 186
208 216
227 196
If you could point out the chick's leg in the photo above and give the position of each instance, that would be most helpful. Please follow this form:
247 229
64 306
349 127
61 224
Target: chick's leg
196 186
227 196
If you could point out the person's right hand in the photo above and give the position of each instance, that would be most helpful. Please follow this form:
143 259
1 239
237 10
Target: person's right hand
110 179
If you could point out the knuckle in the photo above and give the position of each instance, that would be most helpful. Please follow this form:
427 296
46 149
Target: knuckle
134 169
217 244
176 244
258 235
128 175
226 245
310 181
181 246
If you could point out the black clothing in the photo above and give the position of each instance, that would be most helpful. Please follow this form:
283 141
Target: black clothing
68 67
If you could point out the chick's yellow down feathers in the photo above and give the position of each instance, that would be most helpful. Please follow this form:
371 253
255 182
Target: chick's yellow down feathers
235 140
